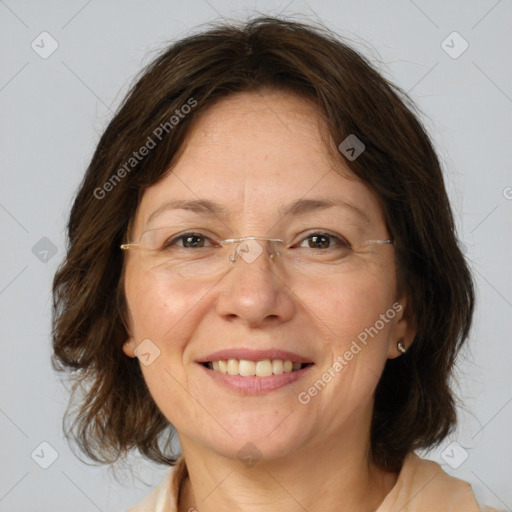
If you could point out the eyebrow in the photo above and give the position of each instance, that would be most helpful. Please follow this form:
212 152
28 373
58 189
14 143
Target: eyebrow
298 207
302 206
201 206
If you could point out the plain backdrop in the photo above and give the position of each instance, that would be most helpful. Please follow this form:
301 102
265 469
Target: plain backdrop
54 107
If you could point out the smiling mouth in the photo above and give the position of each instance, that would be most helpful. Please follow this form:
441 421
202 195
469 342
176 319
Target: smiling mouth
262 368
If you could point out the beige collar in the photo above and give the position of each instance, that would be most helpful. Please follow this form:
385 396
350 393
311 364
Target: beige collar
422 486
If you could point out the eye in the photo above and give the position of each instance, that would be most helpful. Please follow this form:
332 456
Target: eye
323 241
189 241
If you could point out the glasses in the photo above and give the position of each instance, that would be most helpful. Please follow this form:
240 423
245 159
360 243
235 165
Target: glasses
194 254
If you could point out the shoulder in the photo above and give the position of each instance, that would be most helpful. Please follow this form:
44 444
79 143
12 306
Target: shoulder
423 485
426 475
164 497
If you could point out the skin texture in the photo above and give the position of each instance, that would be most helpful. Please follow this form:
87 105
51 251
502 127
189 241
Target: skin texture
254 153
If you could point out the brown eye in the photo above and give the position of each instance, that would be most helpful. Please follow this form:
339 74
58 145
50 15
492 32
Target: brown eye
188 241
193 241
319 241
323 241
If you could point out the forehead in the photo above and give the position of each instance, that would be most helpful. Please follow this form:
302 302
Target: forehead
254 153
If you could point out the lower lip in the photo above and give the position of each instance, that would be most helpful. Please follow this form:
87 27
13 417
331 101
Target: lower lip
256 385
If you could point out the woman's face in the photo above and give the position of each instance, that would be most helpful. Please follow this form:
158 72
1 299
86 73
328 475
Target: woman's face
260 163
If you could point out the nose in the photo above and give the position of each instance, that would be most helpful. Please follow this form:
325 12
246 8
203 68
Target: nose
254 291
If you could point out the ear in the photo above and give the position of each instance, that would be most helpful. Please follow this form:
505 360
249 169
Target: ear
405 327
129 347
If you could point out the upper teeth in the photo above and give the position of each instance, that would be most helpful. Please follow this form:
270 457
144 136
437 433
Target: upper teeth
245 368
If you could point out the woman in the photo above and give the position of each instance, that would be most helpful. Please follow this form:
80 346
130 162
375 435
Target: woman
262 258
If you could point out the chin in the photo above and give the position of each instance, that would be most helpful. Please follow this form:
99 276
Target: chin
256 436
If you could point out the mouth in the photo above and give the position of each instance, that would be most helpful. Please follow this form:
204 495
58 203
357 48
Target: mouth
259 368
254 371
246 377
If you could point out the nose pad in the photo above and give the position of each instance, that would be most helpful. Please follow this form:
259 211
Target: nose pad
250 250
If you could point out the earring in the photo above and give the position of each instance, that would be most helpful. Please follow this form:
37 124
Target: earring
401 346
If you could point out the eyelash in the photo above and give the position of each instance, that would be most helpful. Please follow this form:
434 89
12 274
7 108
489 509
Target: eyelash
338 240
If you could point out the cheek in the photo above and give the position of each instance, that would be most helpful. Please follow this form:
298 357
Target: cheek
164 313
156 307
349 310
355 341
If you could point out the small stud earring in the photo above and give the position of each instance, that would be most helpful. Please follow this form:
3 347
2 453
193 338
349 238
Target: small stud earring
401 346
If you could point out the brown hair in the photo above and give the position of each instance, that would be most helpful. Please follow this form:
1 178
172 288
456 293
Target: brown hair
414 406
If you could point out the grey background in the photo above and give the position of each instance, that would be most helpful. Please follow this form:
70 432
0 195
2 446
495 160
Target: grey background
53 111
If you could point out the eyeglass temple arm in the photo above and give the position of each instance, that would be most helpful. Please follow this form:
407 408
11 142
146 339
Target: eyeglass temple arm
388 241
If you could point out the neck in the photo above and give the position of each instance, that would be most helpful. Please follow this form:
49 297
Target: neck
328 476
